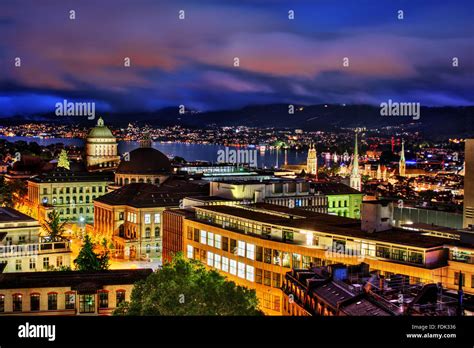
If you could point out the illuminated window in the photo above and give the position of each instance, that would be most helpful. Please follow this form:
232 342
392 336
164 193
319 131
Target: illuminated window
250 273
217 241
241 270
157 218
210 239
217 261
225 264
203 237
241 248
210 259
251 251
190 252
233 267
86 303
148 218
2 303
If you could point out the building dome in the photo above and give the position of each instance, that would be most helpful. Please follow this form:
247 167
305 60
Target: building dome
101 148
144 160
100 131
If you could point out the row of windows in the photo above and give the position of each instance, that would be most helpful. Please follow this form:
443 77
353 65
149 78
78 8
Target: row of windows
86 301
339 204
239 248
69 200
32 263
222 263
157 218
79 189
463 279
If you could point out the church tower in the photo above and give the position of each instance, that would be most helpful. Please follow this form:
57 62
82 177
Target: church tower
355 180
402 165
312 161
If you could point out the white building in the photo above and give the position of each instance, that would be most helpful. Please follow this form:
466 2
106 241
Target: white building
22 249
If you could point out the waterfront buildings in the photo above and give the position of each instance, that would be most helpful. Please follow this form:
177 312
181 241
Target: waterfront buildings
23 249
68 292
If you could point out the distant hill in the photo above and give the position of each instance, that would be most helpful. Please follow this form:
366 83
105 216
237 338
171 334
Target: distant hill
442 121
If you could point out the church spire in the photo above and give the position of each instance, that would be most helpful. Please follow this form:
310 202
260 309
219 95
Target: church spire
402 164
355 179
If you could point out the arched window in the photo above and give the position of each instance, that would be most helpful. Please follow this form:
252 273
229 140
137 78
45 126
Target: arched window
157 232
148 248
147 232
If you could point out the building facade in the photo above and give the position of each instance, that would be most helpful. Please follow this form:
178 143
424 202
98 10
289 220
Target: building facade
67 293
72 194
468 210
23 249
256 246
101 148
131 216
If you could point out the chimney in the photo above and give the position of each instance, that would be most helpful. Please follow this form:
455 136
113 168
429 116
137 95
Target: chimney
376 216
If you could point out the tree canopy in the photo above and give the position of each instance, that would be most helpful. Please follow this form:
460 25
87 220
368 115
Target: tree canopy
88 260
54 227
186 287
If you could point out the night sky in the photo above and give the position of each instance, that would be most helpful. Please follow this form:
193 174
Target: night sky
190 61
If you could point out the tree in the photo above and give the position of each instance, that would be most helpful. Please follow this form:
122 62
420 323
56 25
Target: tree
88 260
63 161
186 287
13 193
54 227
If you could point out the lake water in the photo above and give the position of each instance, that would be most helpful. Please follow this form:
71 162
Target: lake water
190 152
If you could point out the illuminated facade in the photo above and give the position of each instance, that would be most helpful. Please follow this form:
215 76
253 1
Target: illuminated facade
22 249
68 292
101 148
72 194
468 213
256 245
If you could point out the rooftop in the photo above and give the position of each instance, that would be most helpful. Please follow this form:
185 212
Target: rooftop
334 188
12 215
75 279
319 222
142 195
62 175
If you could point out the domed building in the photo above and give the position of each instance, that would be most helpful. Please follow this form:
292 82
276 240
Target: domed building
143 165
101 148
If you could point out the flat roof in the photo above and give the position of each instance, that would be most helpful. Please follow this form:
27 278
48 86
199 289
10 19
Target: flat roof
12 215
77 280
326 223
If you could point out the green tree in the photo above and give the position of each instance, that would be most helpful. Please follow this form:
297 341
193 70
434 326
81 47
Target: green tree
63 161
88 260
186 287
54 227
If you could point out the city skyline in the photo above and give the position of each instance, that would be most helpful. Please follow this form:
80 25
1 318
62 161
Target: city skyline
190 61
